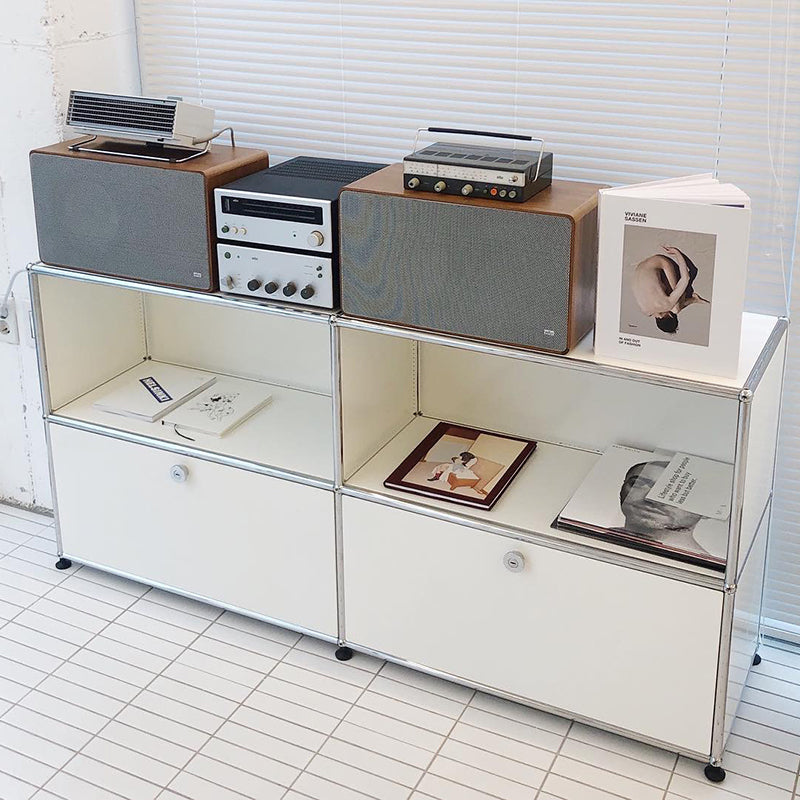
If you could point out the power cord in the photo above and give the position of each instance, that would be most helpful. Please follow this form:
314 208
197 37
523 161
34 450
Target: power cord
4 303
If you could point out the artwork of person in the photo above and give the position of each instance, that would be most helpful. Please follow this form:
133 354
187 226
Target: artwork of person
663 287
460 466
652 520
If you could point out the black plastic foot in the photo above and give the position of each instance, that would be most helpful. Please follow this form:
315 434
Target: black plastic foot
714 774
63 563
344 653
756 660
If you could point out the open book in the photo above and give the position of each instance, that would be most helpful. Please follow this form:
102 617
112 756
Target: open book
671 274
673 504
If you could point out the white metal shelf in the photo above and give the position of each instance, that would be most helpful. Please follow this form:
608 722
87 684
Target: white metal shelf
528 507
761 335
291 437
214 298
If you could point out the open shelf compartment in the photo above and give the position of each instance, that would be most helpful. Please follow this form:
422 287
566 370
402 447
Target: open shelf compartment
100 333
396 387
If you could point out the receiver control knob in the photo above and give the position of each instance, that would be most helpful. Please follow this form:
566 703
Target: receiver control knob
413 183
225 229
315 238
289 289
466 189
254 285
307 292
228 282
271 287
439 186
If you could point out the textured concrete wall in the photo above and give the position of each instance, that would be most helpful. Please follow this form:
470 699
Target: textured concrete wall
47 47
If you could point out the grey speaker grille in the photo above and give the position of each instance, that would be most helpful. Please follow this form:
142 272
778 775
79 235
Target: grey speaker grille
121 114
481 272
126 220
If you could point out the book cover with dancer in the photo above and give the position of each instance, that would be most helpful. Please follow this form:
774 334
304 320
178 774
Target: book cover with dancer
671 274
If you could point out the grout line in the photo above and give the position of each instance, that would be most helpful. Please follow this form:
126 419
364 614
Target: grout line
549 770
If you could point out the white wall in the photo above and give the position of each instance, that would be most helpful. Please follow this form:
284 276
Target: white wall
47 47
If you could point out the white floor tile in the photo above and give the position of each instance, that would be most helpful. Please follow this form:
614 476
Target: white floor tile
192 787
512 729
245 760
614 762
14 789
478 778
735 782
388 746
332 687
33 746
309 698
147 744
127 760
206 682
370 761
244 783
503 746
227 670
356 779
42 642
395 729
24 767
245 640
610 782
60 710
157 725
412 715
300 715
182 713
492 763
246 659
278 728
313 786
271 746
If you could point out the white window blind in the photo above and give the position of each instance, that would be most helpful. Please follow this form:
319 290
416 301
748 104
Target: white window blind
621 92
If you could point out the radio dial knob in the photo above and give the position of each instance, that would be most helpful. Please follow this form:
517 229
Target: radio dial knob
413 183
307 292
228 282
254 285
316 238
271 287
439 186
289 289
467 189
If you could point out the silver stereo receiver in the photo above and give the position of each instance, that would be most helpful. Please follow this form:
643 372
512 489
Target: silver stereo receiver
278 230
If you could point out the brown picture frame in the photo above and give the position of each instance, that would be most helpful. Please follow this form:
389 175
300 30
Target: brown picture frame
397 480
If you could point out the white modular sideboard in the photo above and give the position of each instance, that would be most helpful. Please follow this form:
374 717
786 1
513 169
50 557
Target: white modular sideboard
287 519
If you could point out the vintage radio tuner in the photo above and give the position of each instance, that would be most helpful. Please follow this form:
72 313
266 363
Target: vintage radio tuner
508 174
278 230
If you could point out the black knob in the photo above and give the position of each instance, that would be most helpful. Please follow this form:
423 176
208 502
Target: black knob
254 285
289 289
271 287
307 292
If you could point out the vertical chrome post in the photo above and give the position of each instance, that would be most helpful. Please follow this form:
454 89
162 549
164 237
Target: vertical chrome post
338 472
731 571
44 393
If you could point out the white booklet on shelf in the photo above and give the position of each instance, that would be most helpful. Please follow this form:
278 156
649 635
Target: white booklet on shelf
671 274
220 408
151 390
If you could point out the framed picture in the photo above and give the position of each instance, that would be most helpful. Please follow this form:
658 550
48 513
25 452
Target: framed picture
462 465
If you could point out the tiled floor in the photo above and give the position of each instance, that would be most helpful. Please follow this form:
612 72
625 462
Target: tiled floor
110 689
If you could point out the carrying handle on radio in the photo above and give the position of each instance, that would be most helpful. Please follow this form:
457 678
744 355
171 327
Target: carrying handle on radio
519 137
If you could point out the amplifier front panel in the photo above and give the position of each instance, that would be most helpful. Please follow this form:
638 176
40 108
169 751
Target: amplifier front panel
123 220
487 273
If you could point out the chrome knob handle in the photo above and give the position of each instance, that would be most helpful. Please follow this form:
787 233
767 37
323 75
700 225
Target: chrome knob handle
413 183
316 238
514 561
466 189
179 473
439 186
228 282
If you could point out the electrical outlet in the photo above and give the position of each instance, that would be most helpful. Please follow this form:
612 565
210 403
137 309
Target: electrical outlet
9 330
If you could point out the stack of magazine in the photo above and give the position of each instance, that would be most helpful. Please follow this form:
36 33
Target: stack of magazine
191 401
673 504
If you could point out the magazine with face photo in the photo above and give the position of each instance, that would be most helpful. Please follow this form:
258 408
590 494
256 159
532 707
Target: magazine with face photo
462 465
674 505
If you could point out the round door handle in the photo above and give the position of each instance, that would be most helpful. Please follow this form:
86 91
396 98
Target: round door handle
179 473
514 561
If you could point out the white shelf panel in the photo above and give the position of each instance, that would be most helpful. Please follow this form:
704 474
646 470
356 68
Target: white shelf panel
756 330
293 433
530 504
